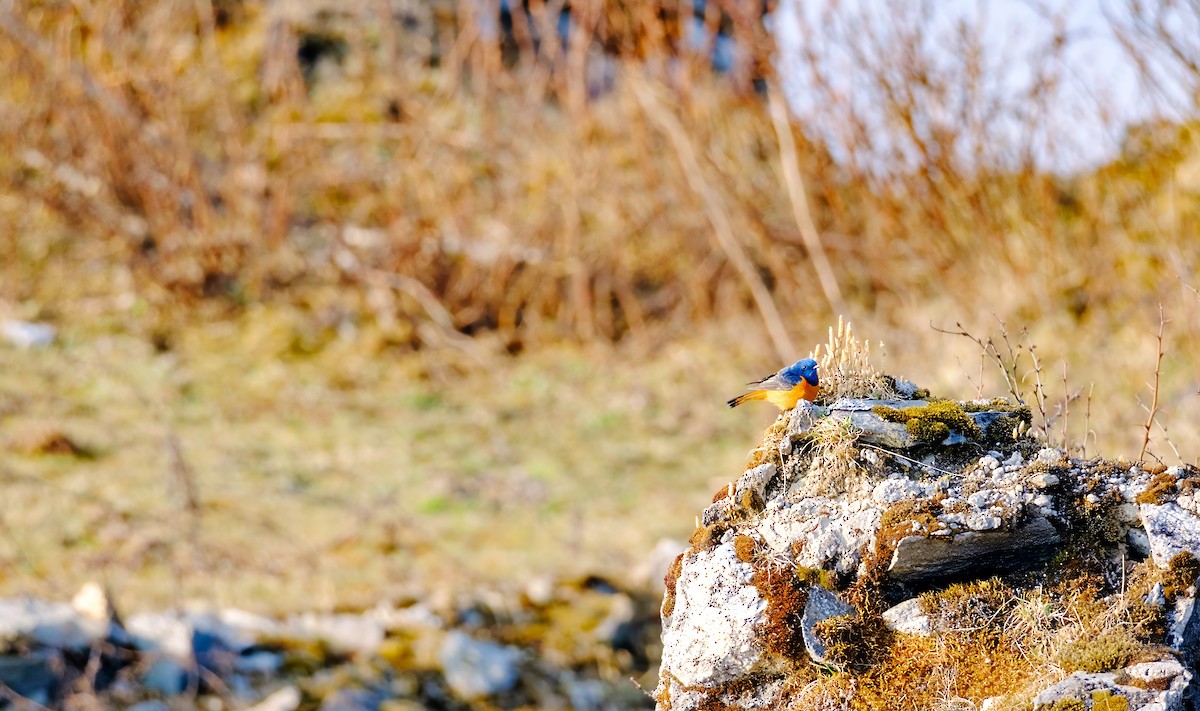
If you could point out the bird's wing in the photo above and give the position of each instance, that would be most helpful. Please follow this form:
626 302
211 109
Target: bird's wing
775 381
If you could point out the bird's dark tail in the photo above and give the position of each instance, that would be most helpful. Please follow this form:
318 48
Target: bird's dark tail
756 395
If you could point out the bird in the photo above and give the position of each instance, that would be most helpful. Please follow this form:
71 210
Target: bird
785 388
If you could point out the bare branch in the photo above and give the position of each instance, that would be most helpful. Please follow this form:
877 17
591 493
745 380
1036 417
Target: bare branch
1152 410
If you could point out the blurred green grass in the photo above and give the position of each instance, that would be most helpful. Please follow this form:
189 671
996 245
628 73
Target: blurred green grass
314 494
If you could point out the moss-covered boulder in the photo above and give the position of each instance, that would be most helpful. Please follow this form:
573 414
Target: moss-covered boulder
961 544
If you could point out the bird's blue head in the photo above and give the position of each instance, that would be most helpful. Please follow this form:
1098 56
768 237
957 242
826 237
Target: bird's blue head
806 369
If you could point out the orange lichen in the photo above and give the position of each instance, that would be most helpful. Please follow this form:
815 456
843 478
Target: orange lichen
669 580
786 596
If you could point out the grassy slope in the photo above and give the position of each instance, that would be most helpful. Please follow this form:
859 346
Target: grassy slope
338 480
345 477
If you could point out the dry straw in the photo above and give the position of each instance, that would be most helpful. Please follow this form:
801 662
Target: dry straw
846 370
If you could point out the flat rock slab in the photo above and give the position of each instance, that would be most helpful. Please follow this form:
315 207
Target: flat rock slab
919 559
873 428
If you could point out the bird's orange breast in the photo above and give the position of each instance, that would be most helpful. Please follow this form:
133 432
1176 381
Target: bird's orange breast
787 399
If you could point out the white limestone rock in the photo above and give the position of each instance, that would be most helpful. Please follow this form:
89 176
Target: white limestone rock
1081 686
1170 530
908 618
710 637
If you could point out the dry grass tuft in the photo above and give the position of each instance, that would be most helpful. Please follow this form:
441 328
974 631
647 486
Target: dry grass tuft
834 468
846 369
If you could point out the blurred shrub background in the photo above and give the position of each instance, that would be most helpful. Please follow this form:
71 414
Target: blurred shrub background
360 296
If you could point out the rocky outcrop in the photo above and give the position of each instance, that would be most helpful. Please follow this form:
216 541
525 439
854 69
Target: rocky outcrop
871 546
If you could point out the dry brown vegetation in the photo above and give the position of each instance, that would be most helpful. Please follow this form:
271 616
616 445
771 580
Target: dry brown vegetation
248 184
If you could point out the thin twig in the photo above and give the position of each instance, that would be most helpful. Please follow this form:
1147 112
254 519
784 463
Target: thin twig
1066 407
1039 392
923 465
717 216
989 349
1087 420
798 196
1152 411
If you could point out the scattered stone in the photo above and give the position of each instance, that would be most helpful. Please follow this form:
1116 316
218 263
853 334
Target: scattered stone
162 631
285 699
27 334
475 668
31 676
261 662
166 675
1082 686
352 700
92 602
908 617
52 624
343 633
821 605
211 654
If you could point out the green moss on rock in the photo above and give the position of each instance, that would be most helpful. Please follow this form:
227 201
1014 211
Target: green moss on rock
744 547
1069 704
1108 701
1108 651
1180 575
932 423
1160 490
786 596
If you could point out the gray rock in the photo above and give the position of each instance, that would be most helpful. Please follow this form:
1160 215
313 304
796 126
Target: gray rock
169 633
1139 542
1168 675
154 705
921 559
1156 597
31 676
822 605
1183 627
352 700
27 334
475 668
361 634
1171 530
53 624
167 675
586 694
285 699
211 654
1081 685
908 617
261 662
873 428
